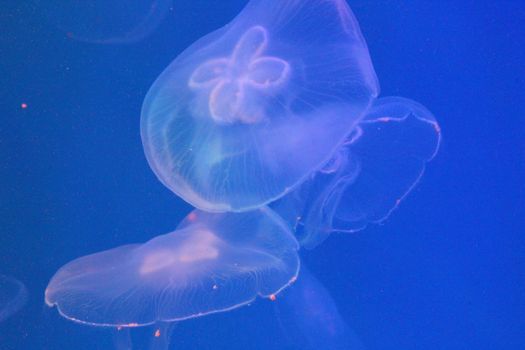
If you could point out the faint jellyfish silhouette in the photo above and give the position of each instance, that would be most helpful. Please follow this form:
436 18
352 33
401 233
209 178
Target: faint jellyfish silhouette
210 263
247 112
368 177
13 296
106 22
309 317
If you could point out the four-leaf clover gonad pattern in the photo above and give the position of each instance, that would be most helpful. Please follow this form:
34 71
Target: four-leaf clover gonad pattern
234 83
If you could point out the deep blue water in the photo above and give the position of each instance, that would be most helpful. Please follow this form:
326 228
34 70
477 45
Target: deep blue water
445 271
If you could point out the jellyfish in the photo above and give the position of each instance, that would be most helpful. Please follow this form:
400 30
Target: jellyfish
212 262
247 112
309 318
368 176
13 296
107 22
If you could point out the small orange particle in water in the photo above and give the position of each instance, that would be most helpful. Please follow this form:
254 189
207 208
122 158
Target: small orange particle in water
23 105
132 325
157 333
192 216
273 297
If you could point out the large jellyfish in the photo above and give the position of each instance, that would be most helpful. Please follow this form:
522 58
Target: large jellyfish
368 176
211 263
249 111
13 296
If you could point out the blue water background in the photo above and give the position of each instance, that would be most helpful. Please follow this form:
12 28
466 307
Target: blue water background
446 271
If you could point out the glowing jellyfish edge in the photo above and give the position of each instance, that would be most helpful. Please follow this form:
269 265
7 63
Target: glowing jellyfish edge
244 256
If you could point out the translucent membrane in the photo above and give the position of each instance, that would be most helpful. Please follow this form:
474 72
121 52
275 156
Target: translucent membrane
211 263
369 175
247 112
13 296
310 319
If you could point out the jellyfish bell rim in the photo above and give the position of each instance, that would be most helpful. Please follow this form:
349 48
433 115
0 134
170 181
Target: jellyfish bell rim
177 319
416 110
147 103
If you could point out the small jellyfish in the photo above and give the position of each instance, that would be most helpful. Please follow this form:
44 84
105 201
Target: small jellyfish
309 318
13 296
247 112
106 22
369 175
211 263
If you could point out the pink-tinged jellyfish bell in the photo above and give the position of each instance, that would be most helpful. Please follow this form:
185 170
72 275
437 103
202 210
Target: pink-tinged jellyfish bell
369 175
211 263
247 112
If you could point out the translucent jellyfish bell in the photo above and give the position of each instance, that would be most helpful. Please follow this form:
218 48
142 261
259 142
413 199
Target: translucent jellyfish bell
13 296
369 175
106 22
211 263
247 112
308 316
